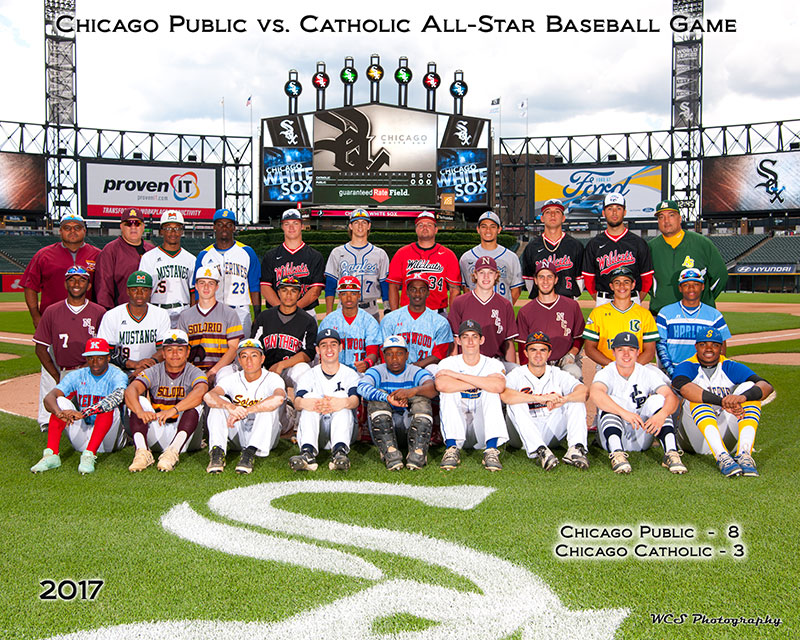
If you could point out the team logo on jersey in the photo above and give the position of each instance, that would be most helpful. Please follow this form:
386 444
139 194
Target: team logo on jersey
635 325
87 322
338 386
614 259
688 262
638 397
423 265
555 264
286 270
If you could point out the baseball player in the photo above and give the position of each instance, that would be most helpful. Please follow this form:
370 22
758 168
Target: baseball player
635 403
427 333
243 408
95 426
559 317
675 250
722 405
325 398
214 329
398 399
63 330
556 248
469 387
134 328
546 405
679 323
621 314
427 258
166 401
119 259
489 309
293 258
360 332
171 267
363 260
510 283
238 266
613 248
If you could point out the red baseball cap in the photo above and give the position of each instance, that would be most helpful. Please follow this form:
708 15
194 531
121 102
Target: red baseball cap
348 283
96 347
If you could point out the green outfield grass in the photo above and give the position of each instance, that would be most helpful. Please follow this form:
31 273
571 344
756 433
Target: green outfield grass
22 366
783 346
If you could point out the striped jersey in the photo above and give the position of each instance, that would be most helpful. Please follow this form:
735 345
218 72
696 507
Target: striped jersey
507 264
210 329
85 389
168 389
378 382
240 271
427 334
679 326
721 380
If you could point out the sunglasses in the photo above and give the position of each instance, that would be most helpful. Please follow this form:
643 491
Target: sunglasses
133 223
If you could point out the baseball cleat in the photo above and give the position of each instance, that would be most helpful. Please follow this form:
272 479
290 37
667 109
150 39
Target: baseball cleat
86 464
546 458
216 460
491 460
141 460
303 462
619 462
393 459
747 465
672 461
416 459
576 455
49 461
168 460
245 464
339 460
451 458
728 466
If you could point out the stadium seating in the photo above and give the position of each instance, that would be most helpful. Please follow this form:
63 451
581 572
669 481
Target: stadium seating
777 250
731 247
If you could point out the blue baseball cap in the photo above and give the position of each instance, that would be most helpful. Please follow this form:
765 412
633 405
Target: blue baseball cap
709 335
328 333
77 271
225 214
625 339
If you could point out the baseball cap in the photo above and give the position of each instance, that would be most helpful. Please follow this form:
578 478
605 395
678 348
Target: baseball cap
709 335
485 262
140 279
470 325
289 281
690 275
249 343
359 213
425 215
395 341
96 347
625 339
172 215
545 265
553 202
667 205
538 337
209 272
418 277
224 214
614 198
131 214
328 333
348 283
489 215
73 217
176 336
291 214
76 271
621 271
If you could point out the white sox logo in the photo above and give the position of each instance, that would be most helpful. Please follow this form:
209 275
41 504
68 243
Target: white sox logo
287 131
462 133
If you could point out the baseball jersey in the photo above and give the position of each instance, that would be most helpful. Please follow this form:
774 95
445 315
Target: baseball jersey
66 329
722 380
604 253
115 263
239 270
281 340
378 382
304 263
437 263
565 257
168 389
45 272
136 338
632 392
357 336
172 275
341 384
606 321
245 394
507 265
210 329
495 315
484 367
427 334
554 380
85 389
369 264
678 328
561 320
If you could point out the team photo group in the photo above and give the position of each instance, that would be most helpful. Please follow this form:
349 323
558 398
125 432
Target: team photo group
171 352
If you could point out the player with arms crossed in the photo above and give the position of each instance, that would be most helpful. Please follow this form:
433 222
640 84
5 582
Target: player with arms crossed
722 404
243 408
94 427
510 283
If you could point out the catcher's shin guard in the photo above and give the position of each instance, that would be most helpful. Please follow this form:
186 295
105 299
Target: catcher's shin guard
419 439
382 429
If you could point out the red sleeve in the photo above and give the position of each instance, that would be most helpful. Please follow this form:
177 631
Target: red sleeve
588 283
375 351
578 342
440 350
511 323
397 267
452 270
104 281
647 283
523 358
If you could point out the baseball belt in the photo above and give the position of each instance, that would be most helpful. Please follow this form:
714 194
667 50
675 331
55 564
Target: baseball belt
173 305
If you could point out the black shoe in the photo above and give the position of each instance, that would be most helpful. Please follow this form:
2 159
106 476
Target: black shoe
306 461
416 459
339 460
216 461
245 464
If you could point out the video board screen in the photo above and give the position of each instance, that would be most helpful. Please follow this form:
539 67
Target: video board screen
23 185
465 174
287 174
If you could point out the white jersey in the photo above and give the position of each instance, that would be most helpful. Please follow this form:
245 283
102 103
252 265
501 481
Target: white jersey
631 393
507 263
245 394
240 270
485 367
137 338
316 384
554 380
172 276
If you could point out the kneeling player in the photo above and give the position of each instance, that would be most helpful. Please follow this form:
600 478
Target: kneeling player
635 403
546 405
98 390
243 408
722 404
165 402
399 403
326 396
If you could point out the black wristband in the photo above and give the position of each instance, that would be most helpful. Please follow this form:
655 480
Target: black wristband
256 309
753 393
711 398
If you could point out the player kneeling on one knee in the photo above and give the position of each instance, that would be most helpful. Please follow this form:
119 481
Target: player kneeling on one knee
546 405
98 389
635 403
399 401
470 385
165 403
326 396
722 404
243 407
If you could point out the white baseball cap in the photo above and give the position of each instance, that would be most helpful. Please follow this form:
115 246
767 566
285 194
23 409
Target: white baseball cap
489 215
209 272
176 336
172 215
395 341
614 198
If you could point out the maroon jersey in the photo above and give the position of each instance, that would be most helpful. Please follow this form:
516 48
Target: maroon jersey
116 262
496 317
438 264
67 331
561 320
45 272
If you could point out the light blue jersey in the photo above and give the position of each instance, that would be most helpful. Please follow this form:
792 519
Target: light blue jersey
378 382
678 328
85 389
357 337
429 334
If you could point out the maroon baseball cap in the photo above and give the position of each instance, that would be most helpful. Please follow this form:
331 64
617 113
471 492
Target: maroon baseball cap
131 214
546 265
485 262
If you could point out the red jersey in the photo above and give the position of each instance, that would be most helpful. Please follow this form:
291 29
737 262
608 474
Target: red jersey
45 272
67 330
561 320
116 262
496 317
437 263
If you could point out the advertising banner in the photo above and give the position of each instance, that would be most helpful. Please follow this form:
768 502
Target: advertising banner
287 174
23 186
11 283
465 174
758 269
